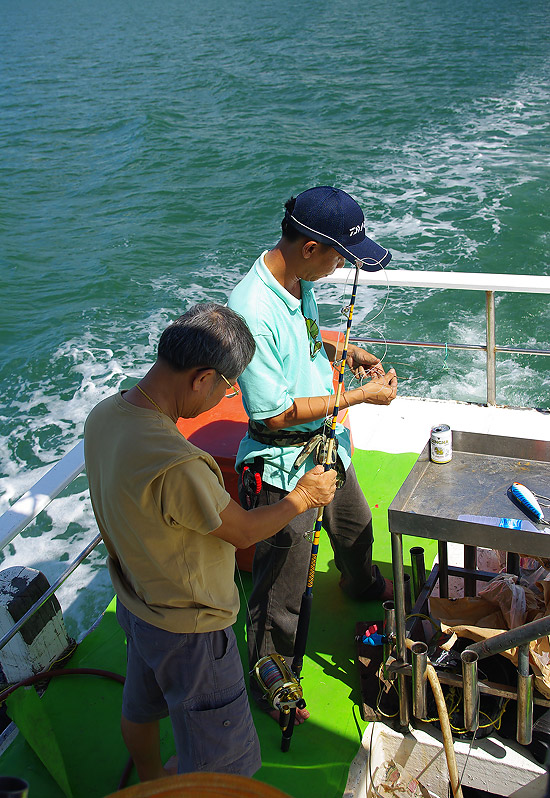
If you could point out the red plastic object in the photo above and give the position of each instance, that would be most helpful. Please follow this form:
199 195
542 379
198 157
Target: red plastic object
219 432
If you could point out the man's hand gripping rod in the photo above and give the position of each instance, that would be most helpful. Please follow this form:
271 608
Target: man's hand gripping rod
287 722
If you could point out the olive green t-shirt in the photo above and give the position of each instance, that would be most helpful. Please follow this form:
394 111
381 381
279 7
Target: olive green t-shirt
156 498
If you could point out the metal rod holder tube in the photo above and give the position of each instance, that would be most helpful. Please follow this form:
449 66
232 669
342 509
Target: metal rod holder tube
400 634
389 635
419 653
524 726
418 568
471 689
389 618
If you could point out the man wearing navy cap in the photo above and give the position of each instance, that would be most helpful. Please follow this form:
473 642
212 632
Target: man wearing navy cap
287 392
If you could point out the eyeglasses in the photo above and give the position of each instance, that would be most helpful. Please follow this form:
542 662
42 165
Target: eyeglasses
313 332
231 390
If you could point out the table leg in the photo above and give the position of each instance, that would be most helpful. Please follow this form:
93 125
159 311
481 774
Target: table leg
399 601
470 562
512 563
418 570
443 560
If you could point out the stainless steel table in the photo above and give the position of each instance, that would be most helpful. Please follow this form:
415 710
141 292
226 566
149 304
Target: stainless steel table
475 482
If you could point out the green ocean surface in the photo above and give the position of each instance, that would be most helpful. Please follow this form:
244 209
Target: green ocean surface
147 150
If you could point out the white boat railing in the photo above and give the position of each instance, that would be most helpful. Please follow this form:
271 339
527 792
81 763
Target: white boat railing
31 504
25 509
464 281
49 592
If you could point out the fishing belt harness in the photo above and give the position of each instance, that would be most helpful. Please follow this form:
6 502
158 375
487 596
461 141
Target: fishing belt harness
312 441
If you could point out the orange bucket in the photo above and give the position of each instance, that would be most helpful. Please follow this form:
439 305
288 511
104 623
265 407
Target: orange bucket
201 785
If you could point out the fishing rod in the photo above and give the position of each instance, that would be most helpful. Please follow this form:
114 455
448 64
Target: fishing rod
282 684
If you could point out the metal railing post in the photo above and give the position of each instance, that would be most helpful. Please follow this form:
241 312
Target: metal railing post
491 350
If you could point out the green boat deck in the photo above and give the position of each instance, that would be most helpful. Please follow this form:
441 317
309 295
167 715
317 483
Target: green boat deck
76 724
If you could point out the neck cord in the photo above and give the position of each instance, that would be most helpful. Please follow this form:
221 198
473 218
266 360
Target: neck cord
150 400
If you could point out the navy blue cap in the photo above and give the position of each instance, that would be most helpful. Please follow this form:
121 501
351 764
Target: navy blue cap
332 217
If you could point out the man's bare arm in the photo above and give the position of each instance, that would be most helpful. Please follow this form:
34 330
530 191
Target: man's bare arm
379 391
242 528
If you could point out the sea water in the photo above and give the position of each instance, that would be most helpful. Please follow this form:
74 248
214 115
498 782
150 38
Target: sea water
147 149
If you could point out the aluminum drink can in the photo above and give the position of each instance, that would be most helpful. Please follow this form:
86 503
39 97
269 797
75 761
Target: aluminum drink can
441 444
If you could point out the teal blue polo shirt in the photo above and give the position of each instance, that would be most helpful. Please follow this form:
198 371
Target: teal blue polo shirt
284 367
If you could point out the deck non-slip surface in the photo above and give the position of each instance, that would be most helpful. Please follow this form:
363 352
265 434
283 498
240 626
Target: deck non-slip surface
84 711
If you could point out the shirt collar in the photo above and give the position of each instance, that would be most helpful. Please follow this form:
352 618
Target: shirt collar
266 277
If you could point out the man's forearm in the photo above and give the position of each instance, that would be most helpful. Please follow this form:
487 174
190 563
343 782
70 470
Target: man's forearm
334 349
263 522
315 408
243 528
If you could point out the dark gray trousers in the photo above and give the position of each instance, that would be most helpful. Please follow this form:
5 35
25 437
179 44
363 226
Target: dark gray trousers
280 569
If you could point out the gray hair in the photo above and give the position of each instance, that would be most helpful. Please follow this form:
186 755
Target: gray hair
208 335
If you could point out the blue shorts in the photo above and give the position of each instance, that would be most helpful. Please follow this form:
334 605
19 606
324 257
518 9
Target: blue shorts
196 679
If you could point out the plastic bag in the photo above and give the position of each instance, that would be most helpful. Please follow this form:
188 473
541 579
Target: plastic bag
509 596
476 618
531 576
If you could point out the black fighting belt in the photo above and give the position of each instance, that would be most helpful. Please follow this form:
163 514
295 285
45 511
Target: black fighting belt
314 442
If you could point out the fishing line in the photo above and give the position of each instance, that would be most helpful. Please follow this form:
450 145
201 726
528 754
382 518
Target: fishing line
292 545
386 299
249 616
345 310
368 321
401 378
370 370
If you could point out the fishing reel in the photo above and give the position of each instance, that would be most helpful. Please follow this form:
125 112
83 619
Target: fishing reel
279 685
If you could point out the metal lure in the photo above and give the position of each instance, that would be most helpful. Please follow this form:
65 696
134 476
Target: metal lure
527 500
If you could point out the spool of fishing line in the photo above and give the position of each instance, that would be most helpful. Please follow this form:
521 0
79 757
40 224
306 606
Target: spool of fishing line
280 686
